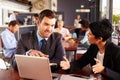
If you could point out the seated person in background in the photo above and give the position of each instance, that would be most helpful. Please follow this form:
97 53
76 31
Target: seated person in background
8 38
103 55
32 43
66 36
77 25
85 27
64 31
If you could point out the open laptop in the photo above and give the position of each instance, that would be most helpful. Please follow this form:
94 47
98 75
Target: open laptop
32 67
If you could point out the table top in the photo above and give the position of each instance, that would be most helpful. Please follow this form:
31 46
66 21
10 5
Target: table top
11 74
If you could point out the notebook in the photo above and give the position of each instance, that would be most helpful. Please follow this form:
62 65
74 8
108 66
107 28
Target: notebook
2 64
32 67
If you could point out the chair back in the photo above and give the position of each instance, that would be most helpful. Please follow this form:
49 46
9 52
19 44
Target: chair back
1 47
1 43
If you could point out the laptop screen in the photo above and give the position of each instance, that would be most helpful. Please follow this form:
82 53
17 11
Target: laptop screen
33 67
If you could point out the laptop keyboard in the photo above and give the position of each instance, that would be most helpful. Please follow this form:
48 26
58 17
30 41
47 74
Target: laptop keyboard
56 76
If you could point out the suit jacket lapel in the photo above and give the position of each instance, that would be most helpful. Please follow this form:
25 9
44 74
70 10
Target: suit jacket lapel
34 41
48 47
107 56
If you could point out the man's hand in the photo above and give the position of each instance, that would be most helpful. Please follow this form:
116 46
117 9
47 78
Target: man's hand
37 53
65 64
98 67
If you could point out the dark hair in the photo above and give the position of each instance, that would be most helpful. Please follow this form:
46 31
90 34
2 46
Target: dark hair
15 11
13 23
36 15
85 23
47 13
102 29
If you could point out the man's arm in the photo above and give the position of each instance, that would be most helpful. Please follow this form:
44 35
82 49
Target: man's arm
59 50
21 49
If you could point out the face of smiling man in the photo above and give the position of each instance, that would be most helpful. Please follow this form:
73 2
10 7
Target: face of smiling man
46 27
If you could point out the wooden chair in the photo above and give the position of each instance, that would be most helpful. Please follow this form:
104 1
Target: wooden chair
1 47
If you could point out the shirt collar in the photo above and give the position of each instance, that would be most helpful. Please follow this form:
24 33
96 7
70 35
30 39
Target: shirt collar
9 31
40 38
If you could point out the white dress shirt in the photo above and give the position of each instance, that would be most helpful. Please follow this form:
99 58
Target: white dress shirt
77 24
12 17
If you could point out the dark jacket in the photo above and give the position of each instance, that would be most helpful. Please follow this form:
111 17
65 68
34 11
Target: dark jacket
111 60
54 47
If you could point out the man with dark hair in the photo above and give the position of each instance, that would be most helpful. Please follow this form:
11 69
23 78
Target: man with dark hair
8 39
102 55
31 43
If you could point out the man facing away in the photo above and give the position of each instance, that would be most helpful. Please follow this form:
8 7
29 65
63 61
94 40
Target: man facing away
8 39
31 43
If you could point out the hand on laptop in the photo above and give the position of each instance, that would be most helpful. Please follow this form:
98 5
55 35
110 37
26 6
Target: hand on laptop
65 64
37 53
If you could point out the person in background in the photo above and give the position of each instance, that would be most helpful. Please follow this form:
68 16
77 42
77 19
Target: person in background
30 44
35 18
77 25
66 36
85 27
103 55
8 39
13 16
64 31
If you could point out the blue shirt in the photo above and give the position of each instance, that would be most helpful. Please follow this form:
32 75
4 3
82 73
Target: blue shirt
9 42
39 40
85 40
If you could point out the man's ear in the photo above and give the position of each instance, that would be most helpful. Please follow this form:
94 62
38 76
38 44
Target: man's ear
38 22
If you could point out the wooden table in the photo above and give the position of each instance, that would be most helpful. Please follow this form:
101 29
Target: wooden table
13 75
70 46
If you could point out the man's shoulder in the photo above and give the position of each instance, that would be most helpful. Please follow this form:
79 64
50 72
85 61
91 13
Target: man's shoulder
56 34
5 32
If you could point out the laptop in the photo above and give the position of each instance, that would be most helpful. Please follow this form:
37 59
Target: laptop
32 67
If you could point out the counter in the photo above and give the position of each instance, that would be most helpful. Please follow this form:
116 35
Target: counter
4 26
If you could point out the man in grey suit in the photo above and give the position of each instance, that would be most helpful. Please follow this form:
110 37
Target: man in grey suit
30 43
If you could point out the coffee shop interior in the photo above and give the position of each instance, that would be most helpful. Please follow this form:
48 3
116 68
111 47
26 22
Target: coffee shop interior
92 10
66 11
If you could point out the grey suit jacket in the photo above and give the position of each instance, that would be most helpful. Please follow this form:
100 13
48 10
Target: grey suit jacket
54 47
111 60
